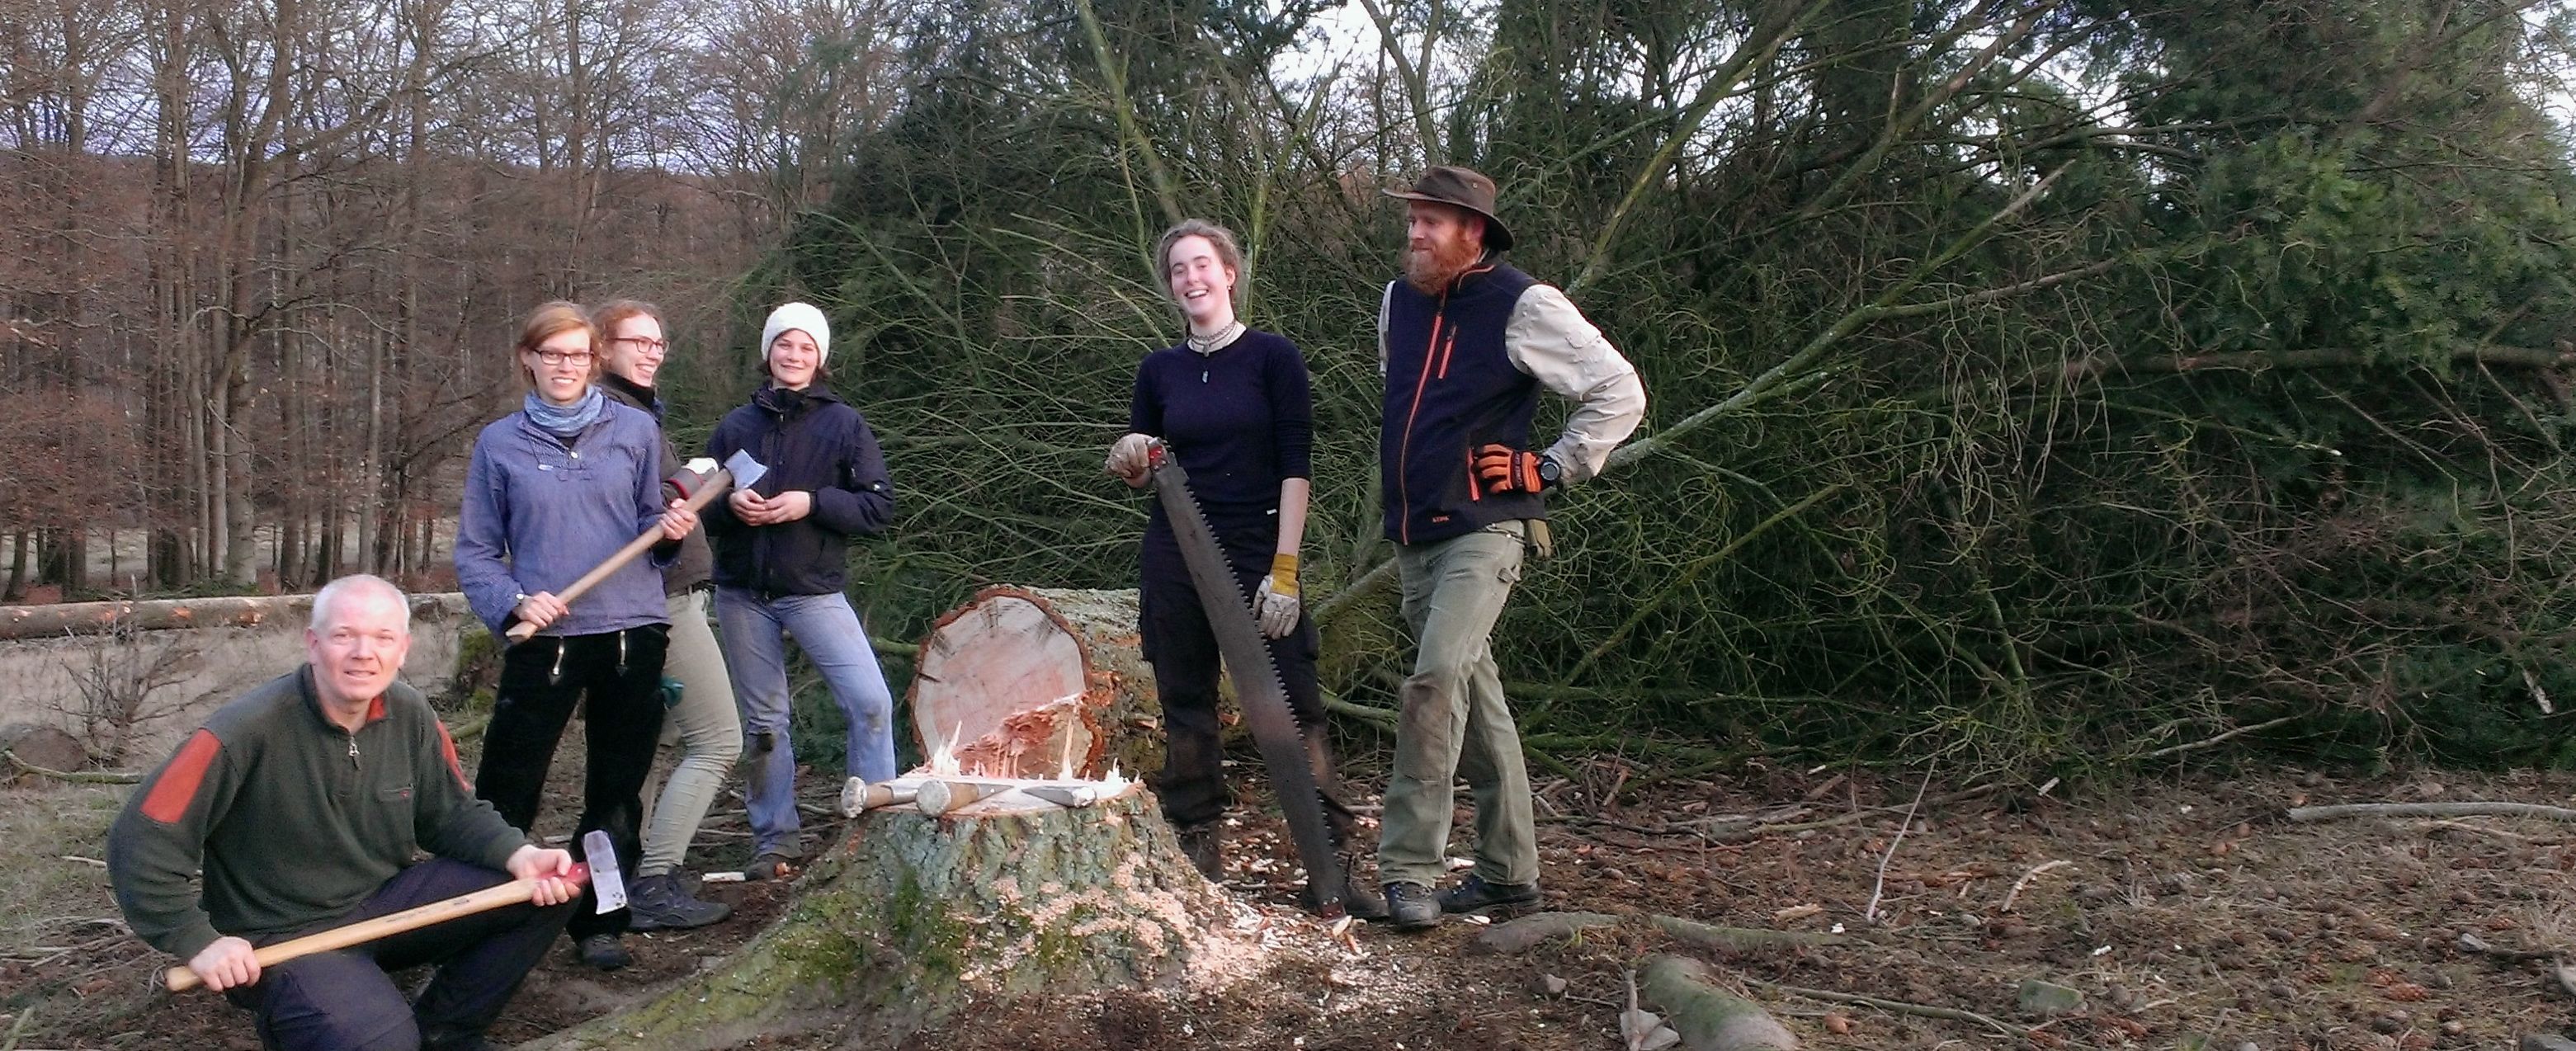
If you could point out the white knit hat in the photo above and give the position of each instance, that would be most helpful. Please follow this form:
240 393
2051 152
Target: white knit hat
798 315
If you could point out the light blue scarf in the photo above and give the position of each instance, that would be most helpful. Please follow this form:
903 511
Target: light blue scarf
564 421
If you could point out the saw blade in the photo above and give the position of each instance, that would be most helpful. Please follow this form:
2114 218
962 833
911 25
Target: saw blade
1256 680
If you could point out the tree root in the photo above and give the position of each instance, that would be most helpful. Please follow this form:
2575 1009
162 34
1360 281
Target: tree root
1529 932
2328 813
1898 1006
1737 939
1758 831
1707 1017
78 777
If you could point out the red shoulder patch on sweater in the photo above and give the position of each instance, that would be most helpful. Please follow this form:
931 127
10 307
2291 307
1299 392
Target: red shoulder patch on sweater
447 746
178 784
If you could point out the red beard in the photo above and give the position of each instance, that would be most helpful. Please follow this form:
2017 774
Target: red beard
1431 272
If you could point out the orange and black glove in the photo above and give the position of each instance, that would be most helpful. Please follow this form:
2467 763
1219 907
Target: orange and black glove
1504 469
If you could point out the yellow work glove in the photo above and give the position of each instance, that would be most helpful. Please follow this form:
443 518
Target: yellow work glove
1276 605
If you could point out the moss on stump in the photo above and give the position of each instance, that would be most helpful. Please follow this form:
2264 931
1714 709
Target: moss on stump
912 916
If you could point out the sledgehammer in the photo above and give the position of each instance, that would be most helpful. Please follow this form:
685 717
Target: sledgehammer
181 979
711 481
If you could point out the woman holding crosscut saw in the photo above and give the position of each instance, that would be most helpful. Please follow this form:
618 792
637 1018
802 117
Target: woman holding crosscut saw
1234 406
554 490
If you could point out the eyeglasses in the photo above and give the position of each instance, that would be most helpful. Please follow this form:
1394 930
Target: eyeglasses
641 343
555 358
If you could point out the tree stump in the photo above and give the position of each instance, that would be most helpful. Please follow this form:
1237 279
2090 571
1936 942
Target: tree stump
914 916
1023 679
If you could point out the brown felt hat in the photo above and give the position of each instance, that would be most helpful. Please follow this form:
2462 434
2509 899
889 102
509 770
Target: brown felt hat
1464 188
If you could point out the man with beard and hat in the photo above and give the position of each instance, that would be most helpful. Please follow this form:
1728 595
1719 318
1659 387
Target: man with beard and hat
1465 344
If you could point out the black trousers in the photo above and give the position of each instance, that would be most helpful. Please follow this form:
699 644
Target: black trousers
1182 648
345 1000
619 673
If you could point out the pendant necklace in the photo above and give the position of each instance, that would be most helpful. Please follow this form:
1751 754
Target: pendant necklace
1211 343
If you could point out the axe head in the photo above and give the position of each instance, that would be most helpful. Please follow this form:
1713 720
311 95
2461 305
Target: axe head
605 879
746 471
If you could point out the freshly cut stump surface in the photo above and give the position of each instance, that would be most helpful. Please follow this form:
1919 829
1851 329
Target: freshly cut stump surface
1025 680
913 917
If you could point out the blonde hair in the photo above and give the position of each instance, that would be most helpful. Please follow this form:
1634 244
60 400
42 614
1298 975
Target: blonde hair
1218 237
547 321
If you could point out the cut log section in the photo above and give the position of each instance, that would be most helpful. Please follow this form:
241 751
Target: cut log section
1024 682
913 917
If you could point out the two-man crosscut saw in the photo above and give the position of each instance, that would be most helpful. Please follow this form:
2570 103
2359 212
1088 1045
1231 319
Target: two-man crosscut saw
1256 680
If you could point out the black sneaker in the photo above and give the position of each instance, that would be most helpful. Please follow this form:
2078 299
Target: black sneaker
1474 894
1411 907
662 903
603 951
769 866
453 1040
1203 845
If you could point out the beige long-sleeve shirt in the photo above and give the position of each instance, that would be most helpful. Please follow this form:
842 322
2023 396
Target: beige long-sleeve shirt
1550 341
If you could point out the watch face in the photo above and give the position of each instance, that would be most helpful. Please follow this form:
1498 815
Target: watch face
1549 471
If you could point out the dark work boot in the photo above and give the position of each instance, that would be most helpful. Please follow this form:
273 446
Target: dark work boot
662 903
1202 844
455 1040
1474 895
603 952
1359 899
1411 907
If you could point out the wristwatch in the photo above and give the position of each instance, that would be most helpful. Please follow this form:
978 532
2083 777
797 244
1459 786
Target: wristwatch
1550 472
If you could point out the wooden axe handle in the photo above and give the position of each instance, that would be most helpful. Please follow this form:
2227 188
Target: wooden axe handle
181 979
716 483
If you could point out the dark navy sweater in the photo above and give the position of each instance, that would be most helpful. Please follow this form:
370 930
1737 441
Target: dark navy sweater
813 441
1241 420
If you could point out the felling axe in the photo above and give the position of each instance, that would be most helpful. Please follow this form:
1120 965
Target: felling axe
699 483
181 979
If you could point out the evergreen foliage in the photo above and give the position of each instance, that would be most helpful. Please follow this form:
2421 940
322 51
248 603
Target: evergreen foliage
2036 384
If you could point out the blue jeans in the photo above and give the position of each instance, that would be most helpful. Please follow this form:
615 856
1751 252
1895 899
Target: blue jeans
755 646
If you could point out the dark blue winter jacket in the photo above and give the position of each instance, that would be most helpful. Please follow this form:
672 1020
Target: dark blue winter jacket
813 441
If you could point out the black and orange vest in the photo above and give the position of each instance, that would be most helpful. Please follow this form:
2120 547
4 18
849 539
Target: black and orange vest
1451 387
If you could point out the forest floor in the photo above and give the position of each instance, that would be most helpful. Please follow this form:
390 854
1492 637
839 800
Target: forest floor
2188 911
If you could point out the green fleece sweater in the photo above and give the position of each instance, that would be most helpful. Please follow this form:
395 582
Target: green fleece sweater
292 819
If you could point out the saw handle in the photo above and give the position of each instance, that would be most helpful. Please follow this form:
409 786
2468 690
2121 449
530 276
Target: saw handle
716 484
180 979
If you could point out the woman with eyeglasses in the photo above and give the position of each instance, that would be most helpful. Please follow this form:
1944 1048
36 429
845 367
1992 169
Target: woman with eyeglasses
700 716
553 490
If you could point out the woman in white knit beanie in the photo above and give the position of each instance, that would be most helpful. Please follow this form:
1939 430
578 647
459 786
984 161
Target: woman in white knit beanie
781 568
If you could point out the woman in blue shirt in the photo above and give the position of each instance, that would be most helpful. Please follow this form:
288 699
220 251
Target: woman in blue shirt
1234 405
553 490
